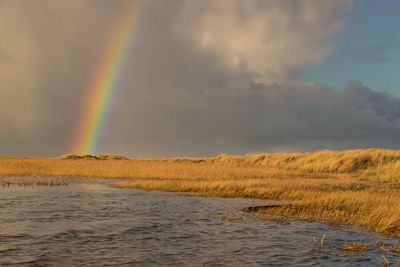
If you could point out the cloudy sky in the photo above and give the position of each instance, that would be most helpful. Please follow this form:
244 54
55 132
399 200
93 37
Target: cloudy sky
204 77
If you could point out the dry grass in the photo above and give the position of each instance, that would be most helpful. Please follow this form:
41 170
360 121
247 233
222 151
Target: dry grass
355 247
374 206
384 248
359 187
31 181
93 157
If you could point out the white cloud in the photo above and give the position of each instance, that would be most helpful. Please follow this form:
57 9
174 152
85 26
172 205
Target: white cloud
272 39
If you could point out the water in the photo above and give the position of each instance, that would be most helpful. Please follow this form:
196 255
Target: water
92 224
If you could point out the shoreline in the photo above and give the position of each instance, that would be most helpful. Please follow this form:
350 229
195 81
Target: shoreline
351 188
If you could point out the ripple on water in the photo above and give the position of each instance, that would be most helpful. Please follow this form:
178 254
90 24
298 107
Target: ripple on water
91 224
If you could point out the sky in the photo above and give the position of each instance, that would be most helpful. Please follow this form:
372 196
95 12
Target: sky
367 49
204 77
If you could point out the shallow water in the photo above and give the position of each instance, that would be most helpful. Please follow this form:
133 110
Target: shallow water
88 223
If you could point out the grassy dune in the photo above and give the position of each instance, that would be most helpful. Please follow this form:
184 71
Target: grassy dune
358 187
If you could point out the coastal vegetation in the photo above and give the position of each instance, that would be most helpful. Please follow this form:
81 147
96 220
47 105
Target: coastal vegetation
32 181
356 188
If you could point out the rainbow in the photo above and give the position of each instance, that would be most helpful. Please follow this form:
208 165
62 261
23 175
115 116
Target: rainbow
104 84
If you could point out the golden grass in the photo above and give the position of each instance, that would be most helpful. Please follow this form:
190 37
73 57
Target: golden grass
384 248
355 247
358 187
31 181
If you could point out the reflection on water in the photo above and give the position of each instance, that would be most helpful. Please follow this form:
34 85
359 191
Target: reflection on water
92 224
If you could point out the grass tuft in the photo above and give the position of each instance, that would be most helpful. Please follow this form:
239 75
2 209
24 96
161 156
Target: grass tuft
355 247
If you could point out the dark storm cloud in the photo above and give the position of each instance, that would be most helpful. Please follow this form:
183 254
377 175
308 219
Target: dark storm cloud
287 116
50 49
4 56
188 88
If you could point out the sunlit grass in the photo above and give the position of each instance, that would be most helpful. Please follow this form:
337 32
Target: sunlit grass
355 247
358 188
31 181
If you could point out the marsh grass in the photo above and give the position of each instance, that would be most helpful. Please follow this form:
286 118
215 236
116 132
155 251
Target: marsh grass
349 250
358 187
355 247
385 248
31 181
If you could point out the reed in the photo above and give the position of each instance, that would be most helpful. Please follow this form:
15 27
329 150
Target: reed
355 247
357 187
31 181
